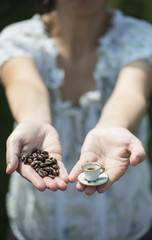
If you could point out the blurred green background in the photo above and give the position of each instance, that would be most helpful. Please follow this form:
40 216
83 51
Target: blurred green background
16 10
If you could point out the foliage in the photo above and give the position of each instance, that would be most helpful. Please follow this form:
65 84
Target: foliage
16 10
137 8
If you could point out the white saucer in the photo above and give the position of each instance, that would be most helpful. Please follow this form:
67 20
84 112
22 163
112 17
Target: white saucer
103 178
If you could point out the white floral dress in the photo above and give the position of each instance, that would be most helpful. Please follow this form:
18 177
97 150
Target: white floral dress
124 212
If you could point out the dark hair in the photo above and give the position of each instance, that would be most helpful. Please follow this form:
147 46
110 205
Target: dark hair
45 6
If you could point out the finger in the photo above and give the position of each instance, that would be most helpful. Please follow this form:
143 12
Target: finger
63 172
80 187
90 190
12 154
77 169
103 188
29 173
51 184
62 185
113 175
138 154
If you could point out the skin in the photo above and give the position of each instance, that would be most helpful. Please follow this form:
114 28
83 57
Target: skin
25 137
115 148
111 141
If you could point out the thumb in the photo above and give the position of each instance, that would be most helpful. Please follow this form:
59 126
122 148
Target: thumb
12 154
77 169
138 154
87 155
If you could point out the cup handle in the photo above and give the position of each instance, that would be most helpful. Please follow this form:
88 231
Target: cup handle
102 170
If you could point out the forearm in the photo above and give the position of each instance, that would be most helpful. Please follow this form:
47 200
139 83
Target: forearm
128 102
124 111
26 93
28 102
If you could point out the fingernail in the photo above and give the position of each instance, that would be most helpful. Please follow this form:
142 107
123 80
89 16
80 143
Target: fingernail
136 161
8 167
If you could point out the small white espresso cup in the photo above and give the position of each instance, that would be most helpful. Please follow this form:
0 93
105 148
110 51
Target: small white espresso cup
92 170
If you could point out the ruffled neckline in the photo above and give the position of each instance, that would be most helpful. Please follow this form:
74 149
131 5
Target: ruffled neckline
100 70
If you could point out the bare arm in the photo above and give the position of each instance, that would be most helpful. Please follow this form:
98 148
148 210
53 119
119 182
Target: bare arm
30 105
27 96
128 102
111 143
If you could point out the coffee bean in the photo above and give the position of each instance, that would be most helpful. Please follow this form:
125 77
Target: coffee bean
45 173
55 166
42 173
48 163
42 163
53 160
37 150
34 154
56 172
45 154
53 171
36 161
33 163
48 169
40 157
37 169
36 165
51 176
25 158
29 160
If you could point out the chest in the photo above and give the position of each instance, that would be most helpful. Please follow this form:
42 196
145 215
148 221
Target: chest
78 78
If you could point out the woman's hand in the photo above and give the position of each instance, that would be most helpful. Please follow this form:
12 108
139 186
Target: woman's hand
114 148
23 139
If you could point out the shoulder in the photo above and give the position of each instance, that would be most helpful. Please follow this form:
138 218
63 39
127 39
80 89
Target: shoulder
128 39
130 27
128 20
21 39
31 28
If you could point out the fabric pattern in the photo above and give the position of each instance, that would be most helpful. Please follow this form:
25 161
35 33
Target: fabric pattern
125 210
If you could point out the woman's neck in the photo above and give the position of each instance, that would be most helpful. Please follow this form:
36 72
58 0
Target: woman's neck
79 34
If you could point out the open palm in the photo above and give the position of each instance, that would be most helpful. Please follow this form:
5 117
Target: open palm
23 139
114 148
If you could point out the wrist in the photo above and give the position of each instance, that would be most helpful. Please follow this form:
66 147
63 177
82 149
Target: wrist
35 120
33 116
111 123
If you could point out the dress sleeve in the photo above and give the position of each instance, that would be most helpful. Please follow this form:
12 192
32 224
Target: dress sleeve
129 39
19 39
136 41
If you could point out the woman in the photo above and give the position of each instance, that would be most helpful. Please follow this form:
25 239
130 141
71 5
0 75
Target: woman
78 51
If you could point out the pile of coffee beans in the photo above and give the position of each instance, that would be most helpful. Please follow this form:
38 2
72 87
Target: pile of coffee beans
44 165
